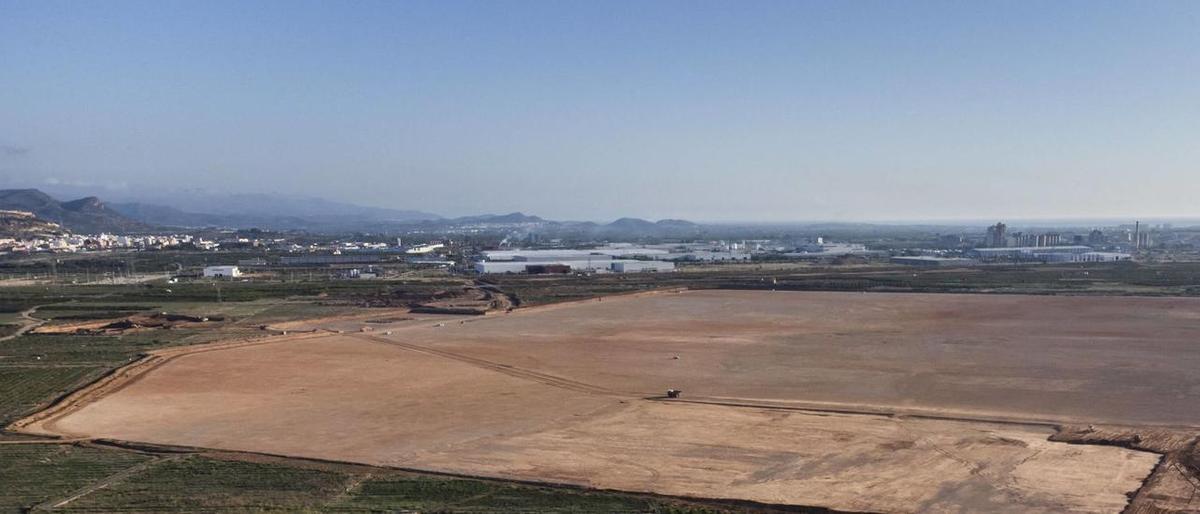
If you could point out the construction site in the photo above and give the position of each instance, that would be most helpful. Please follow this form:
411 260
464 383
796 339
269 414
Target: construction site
852 402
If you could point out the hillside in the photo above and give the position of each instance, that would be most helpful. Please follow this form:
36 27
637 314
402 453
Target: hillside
510 218
636 227
23 224
85 215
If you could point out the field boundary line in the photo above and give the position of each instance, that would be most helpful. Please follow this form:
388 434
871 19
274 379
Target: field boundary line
911 413
43 441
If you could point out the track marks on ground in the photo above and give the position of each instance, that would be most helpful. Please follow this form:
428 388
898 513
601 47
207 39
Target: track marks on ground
539 377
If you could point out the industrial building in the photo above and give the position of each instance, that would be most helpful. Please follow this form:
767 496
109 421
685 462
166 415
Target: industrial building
551 255
626 266
501 266
587 264
997 236
593 265
612 258
222 272
423 249
322 260
1029 253
822 250
1087 257
707 256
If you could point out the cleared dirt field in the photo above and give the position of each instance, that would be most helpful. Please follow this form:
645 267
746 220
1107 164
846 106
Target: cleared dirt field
560 394
1132 360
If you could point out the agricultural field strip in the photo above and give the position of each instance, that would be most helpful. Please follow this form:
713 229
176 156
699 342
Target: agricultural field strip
120 476
129 374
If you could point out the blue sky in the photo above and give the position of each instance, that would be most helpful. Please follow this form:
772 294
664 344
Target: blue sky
766 111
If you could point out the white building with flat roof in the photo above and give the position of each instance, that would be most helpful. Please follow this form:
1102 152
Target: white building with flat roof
561 254
222 272
627 266
1087 257
1028 252
585 265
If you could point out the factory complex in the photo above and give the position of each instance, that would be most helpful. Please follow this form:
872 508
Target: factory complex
597 260
1077 253
617 257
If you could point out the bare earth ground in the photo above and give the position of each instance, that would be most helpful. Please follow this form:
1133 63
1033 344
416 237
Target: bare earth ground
1112 359
559 394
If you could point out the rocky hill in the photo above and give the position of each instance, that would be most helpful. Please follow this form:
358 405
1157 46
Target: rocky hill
86 215
23 224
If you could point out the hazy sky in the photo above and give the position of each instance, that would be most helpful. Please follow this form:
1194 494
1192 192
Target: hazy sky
738 110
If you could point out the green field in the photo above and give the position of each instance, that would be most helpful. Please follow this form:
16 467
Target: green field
31 474
77 478
25 390
201 484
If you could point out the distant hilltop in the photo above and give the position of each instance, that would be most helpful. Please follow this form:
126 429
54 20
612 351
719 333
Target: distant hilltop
85 215
25 224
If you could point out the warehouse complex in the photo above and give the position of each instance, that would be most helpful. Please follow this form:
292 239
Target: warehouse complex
605 259
1049 254
933 261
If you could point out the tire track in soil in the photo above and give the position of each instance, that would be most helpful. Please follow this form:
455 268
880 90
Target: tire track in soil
513 371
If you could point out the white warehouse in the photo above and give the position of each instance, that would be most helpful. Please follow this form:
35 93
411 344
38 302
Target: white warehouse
593 264
1087 257
624 266
222 272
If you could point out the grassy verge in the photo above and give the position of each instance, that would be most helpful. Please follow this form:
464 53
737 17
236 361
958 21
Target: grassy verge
201 484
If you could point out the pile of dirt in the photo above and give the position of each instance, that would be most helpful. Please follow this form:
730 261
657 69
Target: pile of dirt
1151 439
471 300
1175 484
137 322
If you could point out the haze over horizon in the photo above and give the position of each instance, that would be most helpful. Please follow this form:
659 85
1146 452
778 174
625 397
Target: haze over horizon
767 111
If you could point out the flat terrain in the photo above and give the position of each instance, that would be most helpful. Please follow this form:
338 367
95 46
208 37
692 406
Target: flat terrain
1107 359
560 394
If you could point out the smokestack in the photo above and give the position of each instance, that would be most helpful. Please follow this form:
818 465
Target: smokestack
1137 240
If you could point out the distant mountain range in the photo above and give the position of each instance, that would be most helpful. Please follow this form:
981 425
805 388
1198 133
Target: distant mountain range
199 209
244 211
